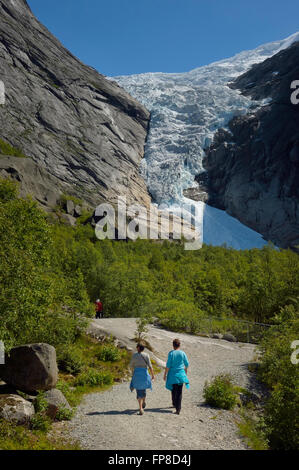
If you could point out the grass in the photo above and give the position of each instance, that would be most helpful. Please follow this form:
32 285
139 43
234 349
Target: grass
7 149
96 374
252 430
21 438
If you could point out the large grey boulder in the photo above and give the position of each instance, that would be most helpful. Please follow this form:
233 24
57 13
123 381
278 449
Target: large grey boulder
70 207
81 128
15 409
31 367
56 400
229 337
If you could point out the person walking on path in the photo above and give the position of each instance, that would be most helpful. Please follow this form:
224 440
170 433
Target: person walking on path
141 380
176 374
99 309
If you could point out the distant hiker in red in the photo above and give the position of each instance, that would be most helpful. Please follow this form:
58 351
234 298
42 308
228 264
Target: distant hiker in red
99 309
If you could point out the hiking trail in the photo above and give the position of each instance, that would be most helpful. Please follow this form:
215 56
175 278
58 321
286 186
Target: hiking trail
109 421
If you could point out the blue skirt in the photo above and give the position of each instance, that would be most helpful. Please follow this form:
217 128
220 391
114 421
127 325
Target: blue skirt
141 379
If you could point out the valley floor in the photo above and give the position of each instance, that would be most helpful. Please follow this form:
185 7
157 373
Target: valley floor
109 420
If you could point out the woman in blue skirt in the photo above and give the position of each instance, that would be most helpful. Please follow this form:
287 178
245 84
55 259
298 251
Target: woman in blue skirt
176 374
141 380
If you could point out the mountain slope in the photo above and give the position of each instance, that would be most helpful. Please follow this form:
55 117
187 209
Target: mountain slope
186 111
253 170
85 131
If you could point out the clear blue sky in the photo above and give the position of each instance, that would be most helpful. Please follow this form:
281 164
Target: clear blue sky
122 37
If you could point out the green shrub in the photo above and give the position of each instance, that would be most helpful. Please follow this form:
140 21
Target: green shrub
70 361
67 391
8 190
109 353
64 414
7 149
40 403
254 431
93 378
40 422
282 377
220 393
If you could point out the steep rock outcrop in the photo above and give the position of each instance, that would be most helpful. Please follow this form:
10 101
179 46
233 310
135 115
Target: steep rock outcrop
253 169
81 129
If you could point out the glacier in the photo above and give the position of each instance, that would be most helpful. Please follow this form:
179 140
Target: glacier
186 111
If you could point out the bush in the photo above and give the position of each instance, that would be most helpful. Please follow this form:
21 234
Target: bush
67 391
40 422
281 376
8 190
70 361
94 378
64 414
40 403
109 353
7 149
220 393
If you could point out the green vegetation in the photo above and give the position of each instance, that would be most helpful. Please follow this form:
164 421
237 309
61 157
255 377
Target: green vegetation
109 353
64 414
51 274
97 375
101 364
93 377
220 392
282 377
253 431
20 438
142 328
7 149
43 296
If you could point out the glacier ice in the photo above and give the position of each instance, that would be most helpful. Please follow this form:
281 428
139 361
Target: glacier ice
186 111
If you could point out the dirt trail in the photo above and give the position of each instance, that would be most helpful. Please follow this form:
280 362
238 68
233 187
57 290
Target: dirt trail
109 420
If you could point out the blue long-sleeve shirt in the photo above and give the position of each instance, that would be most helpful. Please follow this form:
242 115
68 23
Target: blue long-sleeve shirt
176 363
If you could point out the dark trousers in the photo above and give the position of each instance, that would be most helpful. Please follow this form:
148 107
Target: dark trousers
176 393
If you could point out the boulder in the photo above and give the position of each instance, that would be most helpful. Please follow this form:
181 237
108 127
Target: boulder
217 336
230 337
15 409
31 367
78 211
68 219
56 400
70 207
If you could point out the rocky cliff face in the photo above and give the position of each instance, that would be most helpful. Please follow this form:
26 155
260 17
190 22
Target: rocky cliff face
253 167
83 131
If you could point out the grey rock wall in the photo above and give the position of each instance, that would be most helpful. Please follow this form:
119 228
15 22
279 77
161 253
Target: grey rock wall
81 129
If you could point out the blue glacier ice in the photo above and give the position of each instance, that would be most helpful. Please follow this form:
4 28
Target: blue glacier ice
186 111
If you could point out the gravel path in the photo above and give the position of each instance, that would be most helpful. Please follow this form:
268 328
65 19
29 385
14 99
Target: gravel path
109 420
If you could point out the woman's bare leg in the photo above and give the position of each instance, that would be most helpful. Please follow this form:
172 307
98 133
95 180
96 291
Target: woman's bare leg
140 401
